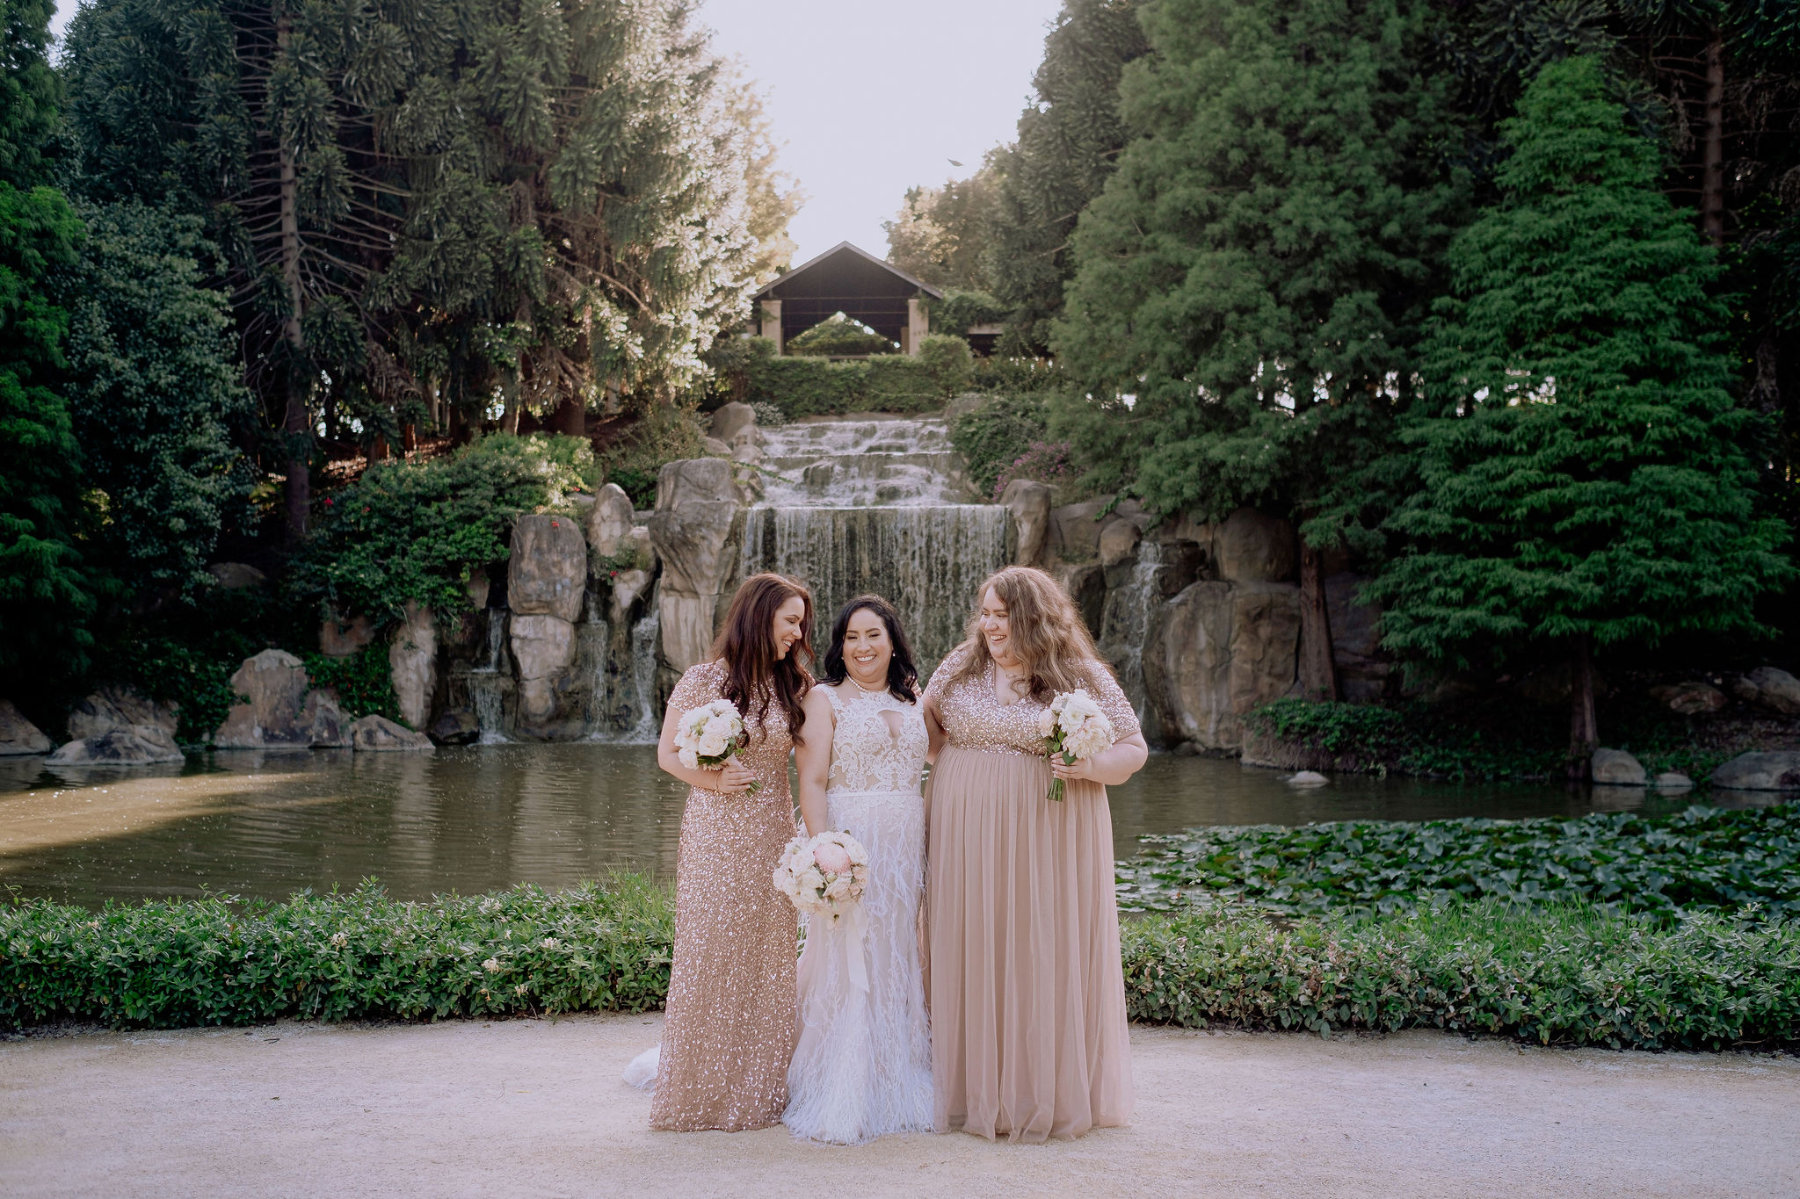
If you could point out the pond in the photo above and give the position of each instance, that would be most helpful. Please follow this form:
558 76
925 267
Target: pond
485 817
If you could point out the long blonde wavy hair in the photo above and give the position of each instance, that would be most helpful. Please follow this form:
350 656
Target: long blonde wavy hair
1048 636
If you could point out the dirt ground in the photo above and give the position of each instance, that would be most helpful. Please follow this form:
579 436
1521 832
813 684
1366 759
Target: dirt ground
537 1108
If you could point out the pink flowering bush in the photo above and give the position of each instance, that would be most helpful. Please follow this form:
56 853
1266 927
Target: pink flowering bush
1043 461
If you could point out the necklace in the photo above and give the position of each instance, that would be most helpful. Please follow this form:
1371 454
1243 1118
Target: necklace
860 687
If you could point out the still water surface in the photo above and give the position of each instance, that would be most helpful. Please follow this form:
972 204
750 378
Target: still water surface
486 817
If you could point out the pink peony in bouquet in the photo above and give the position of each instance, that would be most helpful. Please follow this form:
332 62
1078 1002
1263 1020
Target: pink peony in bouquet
1075 727
823 875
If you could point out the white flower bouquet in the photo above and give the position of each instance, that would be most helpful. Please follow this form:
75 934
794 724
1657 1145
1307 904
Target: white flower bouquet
823 875
1075 727
709 736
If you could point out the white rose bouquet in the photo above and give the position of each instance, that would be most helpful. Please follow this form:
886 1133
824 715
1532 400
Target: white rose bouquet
1075 727
710 736
823 875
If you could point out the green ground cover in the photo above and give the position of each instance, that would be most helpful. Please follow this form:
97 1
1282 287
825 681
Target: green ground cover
1562 974
1699 860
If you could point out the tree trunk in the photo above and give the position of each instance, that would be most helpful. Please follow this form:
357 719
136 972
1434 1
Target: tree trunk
378 449
409 437
1318 673
1712 178
1584 732
571 416
296 428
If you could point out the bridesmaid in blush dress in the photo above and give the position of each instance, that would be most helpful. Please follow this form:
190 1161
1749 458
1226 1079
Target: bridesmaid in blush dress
1028 1027
729 1031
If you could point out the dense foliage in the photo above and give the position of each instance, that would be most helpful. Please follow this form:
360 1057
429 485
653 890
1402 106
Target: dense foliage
1701 859
1570 975
1581 479
155 395
749 371
363 955
416 531
992 437
840 335
47 591
1559 975
1250 284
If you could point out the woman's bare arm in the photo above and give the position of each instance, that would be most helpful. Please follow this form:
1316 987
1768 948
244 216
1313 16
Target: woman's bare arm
1110 767
812 761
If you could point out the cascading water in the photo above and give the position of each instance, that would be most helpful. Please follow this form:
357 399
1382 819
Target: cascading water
871 505
486 686
1125 624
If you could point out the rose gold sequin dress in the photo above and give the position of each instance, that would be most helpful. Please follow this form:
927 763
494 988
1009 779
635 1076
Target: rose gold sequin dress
729 1031
1028 1027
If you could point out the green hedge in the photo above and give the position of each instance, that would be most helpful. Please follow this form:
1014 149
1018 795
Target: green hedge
1568 975
748 370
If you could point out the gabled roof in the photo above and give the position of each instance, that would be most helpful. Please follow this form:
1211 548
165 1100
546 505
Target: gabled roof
843 248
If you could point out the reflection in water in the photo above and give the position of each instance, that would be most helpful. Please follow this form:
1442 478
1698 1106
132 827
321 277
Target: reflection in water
485 817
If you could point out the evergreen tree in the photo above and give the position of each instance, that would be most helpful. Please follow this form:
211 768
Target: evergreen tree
47 591
941 234
154 391
1069 139
1581 482
1250 284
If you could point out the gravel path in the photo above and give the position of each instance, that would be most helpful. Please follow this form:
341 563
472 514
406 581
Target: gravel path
535 1107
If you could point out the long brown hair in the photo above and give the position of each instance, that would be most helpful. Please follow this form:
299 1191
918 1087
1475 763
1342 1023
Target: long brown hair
753 675
1045 629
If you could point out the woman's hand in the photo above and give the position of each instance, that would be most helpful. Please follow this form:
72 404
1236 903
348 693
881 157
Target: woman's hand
1080 770
734 778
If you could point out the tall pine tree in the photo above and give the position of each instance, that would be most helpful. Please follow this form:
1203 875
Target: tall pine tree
1581 482
1250 284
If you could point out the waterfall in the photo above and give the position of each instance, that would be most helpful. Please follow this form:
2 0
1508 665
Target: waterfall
486 687
594 636
1125 625
874 508
646 634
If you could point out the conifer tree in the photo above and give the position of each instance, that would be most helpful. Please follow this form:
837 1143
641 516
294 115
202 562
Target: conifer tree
1581 485
47 590
1250 283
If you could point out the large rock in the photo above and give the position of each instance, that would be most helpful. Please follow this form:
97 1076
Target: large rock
544 647
609 522
412 664
1075 530
732 419
236 576
456 728
694 530
1363 670
120 708
273 687
130 745
327 724
1085 583
1775 771
18 735
345 639
1690 699
1029 502
1616 768
628 590
376 733
546 574
1118 542
1254 547
1216 651
1771 688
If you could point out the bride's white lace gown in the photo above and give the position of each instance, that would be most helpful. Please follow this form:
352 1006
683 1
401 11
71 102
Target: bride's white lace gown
862 1065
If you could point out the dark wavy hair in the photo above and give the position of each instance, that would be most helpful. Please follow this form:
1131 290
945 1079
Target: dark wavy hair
903 675
754 677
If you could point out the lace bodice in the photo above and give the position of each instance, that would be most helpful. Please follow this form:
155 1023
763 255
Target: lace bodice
974 718
867 754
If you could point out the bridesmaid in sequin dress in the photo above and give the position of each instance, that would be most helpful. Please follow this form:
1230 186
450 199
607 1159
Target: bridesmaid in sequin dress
729 1030
1028 1027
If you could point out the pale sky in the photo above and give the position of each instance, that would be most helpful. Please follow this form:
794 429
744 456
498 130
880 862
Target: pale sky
872 98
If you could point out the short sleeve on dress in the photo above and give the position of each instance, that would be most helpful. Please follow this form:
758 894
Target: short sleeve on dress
700 684
1112 700
940 678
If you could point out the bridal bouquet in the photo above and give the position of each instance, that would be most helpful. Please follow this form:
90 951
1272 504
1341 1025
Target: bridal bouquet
824 875
1075 727
709 736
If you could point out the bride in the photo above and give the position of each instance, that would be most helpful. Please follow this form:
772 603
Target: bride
862 1066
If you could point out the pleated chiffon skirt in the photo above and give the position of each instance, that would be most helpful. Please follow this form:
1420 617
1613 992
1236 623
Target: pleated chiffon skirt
1029 1038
